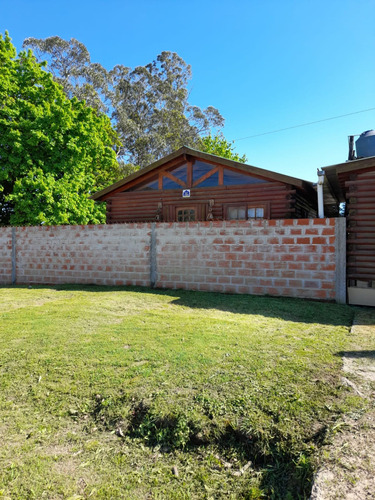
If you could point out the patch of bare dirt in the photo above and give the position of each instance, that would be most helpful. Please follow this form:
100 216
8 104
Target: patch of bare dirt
348 470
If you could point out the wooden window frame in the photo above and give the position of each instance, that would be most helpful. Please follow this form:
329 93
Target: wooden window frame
235 205
186 207
247 206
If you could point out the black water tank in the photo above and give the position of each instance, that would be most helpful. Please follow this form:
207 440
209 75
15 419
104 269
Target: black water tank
365 145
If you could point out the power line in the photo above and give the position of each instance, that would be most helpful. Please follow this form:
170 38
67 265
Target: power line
304 124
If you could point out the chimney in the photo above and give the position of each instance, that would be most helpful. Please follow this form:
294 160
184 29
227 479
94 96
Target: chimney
351 155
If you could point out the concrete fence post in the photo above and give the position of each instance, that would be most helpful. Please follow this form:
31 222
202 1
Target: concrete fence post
153 256
14 263
340 257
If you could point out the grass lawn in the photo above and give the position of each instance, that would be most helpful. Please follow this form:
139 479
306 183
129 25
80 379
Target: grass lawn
135 393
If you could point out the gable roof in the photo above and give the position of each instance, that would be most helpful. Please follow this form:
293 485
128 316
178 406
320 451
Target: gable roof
184 151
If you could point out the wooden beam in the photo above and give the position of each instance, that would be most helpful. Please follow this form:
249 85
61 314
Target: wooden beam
221 176
174 179
206 176
189 173
139 179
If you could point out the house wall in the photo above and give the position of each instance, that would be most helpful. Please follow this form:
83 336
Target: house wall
143 205
294 258
360 193
359 187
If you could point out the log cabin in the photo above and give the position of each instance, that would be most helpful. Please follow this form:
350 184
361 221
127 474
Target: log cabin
353 184
189 185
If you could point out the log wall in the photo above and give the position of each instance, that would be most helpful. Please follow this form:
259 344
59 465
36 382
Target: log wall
360 192
143 205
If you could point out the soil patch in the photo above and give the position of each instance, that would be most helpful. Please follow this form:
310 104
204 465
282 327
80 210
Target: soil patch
348 469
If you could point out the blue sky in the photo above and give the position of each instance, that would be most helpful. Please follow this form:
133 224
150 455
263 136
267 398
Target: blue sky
265 64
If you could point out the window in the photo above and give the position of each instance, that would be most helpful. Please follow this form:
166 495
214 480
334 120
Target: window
186 214
148 186
170 184
180 173
200 168
243 212
255 213
233 178
236 212
211 181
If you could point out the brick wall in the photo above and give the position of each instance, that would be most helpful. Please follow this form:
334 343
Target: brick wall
295 258
102 255
5 255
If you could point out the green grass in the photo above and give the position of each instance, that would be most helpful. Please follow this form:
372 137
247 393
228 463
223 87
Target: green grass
135 393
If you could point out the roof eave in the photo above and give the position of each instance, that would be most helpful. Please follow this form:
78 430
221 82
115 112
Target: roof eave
138 173
350 165
332 172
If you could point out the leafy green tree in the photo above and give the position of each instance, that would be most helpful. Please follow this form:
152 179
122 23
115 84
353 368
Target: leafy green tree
148 105
219 146
54 151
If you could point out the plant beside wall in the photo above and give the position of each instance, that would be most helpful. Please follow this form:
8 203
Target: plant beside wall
54 151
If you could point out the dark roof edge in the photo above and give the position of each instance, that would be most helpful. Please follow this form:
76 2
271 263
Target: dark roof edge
347 166
250 168
210 157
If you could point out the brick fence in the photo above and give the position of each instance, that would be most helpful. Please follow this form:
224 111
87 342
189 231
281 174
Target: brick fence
294 258
6 255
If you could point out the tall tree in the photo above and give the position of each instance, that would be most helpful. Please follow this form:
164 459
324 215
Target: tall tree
148 105
71 66
152 111
54 151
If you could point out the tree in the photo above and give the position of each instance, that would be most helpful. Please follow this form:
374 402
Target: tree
71 67
148 105
54 151
219 146
151 109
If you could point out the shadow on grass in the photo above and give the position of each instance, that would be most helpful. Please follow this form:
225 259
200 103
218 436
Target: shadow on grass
365 316
356 354
285 471
284 474
284 308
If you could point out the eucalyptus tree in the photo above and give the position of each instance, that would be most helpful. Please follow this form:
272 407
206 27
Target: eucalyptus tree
148 105
71 67
151 109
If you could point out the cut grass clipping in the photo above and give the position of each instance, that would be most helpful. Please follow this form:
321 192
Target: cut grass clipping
136 393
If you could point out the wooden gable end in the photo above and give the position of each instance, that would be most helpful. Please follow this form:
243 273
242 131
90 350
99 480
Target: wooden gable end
190 174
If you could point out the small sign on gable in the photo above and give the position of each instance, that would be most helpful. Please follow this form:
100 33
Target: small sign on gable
186 193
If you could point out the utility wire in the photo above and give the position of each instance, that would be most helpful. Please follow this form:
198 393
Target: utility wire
304 124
